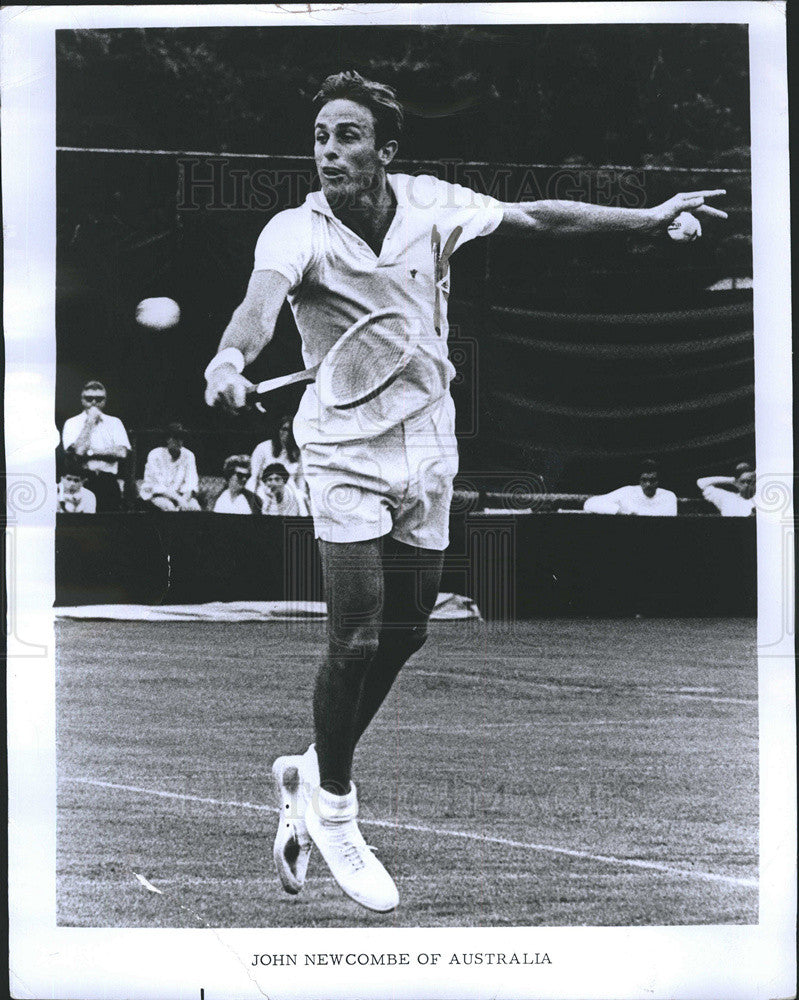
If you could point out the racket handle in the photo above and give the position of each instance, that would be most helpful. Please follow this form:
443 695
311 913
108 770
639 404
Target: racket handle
282 380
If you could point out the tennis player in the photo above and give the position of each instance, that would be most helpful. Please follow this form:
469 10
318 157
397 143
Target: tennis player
371 240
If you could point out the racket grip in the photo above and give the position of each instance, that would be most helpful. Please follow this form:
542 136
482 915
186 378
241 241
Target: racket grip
253 401
283 380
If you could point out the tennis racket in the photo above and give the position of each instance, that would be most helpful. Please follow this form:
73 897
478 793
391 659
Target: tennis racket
363 362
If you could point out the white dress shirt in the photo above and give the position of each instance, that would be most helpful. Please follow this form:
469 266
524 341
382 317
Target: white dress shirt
106 435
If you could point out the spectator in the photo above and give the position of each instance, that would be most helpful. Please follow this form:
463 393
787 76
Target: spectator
73 497
734 496
281 448
261 490
237 499
98 442
646 498
170 475
281 497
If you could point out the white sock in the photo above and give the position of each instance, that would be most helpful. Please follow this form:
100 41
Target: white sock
339 808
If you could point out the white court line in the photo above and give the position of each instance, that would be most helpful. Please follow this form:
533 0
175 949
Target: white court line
460 834
436 727
706 697
581 688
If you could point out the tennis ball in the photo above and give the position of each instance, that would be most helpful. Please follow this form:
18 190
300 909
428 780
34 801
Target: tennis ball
685 228
158 313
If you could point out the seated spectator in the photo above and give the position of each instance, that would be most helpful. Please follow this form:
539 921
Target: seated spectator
170 475
281 497
73 497
281 448
98 442
646 498
734 496
236 498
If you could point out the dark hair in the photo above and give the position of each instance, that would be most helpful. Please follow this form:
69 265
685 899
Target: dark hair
292 449
743 467
648 465
73 467
276 469
175 430
94 384
379 98
234 462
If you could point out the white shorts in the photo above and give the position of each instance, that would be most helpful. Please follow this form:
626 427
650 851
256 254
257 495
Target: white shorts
398 483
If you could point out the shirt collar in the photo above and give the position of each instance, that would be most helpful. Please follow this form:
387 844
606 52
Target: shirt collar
318 201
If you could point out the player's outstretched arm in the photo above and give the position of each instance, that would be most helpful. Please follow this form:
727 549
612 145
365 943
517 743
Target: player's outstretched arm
250 329
574 218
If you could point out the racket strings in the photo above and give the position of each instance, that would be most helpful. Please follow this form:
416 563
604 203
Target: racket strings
368 360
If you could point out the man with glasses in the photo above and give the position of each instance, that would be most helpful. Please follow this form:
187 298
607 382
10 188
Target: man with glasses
97 442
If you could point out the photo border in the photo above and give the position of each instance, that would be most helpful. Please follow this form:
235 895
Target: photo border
597 962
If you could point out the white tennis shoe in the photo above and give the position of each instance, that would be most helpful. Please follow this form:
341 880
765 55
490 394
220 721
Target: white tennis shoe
295 779
331 823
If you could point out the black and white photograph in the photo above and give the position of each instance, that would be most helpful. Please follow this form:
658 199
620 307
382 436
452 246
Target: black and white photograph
399 501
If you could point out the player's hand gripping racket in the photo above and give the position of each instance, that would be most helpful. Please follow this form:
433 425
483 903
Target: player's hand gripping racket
361 364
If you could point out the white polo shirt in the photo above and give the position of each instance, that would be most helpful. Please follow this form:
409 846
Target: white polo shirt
336 279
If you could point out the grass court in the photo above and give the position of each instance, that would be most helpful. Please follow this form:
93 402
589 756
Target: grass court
555 773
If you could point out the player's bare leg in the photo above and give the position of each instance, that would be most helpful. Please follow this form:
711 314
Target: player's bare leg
353 590
353 574
411 580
